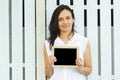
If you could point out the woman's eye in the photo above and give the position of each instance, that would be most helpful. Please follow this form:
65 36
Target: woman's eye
60 19
68 18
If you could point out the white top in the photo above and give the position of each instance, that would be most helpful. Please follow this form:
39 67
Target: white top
64 73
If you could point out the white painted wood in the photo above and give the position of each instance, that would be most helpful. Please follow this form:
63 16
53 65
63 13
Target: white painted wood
4 40
66 2
40 19
105 40
4 72
29 39
17 40
79 17
92 35
117 38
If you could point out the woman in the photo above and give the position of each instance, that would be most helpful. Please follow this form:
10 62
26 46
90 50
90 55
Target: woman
62 33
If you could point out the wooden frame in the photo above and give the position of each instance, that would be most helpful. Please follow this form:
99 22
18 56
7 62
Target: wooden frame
66 55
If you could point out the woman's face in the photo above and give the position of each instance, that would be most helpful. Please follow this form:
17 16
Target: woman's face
65 21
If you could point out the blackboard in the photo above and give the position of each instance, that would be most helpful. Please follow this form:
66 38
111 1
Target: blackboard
66 55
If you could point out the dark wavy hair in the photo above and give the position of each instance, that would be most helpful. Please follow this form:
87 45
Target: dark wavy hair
53 26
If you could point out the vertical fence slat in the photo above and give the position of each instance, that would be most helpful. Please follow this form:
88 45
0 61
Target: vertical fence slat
106 40
78 8
117 38
17 43
40 19
66 2
92 34
29 39
4 39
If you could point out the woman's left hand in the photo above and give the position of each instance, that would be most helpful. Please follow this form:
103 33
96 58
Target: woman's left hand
79 62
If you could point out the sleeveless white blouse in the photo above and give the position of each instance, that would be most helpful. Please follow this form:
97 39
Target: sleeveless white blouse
68 73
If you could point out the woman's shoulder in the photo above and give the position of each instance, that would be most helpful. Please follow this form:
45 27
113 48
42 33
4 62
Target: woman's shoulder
46 42
81 37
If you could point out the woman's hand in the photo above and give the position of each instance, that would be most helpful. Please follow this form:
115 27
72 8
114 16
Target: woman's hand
51 60
79 62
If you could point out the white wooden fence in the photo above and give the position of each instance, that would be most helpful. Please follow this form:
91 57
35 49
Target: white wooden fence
24 26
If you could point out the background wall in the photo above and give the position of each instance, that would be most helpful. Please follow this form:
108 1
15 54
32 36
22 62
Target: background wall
17 40
24 26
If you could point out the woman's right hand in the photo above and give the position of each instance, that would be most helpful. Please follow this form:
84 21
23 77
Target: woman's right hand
49 65
51 60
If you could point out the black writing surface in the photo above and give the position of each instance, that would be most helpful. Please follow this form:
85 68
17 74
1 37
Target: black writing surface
65 56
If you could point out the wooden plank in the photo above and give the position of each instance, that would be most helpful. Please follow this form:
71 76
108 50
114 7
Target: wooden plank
17 40
117 38
40 5
66 2
29 39
93 36
105 40
4 39
78 8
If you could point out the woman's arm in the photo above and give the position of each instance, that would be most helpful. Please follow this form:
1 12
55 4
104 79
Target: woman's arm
48 67
86 67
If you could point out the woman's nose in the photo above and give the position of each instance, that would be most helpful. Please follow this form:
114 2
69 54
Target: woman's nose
65 21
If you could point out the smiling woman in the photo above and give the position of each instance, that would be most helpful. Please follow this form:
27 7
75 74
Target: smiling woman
62 34
65 21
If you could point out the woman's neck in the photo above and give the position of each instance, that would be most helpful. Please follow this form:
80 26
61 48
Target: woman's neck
66 36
